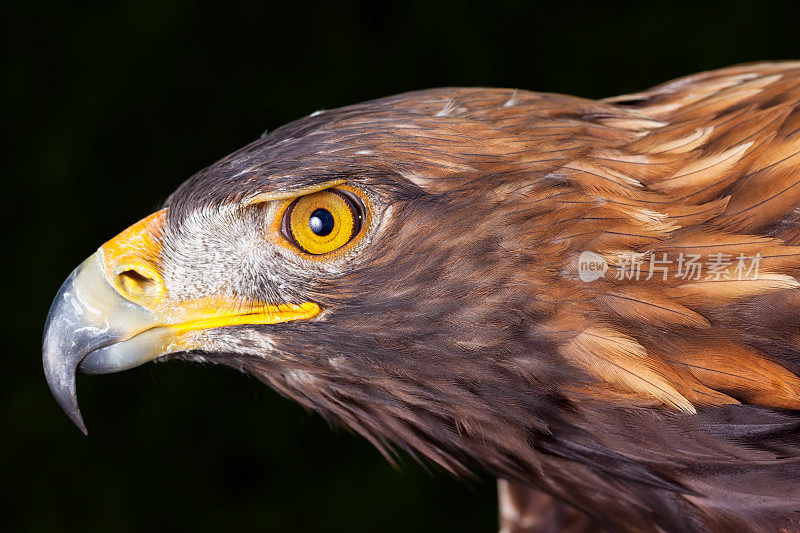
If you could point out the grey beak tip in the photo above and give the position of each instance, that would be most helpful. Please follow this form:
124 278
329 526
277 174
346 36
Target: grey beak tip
77 419
62 386
70 406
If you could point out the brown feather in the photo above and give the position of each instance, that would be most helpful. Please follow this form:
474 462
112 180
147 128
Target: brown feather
652 308
741 372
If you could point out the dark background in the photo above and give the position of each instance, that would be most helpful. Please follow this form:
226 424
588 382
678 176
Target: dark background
109 106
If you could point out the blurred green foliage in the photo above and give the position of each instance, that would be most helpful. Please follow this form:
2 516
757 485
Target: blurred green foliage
108 106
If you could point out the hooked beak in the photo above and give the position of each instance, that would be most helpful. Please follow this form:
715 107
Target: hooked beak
113 312
85 325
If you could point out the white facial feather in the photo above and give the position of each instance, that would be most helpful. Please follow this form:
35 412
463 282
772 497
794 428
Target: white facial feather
229 250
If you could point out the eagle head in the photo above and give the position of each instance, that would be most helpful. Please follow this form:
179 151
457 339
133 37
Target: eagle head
372 262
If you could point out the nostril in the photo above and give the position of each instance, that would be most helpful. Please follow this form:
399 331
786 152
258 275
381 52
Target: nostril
138 285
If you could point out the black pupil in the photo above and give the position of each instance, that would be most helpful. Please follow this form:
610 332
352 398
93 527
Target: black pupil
321 222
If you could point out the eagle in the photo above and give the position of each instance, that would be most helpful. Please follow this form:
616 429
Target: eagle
595 301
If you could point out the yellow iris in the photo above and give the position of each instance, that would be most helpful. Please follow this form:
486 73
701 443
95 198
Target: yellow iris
323 222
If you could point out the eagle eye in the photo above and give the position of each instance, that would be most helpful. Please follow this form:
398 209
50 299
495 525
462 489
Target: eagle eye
322 222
